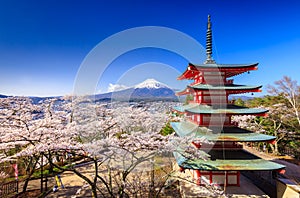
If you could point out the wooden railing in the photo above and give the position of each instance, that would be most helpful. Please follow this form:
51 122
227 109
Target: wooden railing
8 188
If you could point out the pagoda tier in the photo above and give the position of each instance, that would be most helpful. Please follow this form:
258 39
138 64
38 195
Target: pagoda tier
222 134
209 89
228 160
228 109
226 70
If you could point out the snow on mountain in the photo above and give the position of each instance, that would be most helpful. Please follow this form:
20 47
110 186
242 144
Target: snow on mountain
150 89
151 84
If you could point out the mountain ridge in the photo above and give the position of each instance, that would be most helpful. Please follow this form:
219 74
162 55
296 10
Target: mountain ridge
148 90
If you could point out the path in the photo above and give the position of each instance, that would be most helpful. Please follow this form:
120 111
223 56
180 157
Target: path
76 187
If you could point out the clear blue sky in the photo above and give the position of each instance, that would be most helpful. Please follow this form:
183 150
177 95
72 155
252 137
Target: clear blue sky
43 43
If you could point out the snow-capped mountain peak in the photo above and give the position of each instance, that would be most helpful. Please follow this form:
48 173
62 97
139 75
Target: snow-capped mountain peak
150 84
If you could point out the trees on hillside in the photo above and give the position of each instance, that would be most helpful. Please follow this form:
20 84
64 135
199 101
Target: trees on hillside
290 91
117 140
31 131
283 116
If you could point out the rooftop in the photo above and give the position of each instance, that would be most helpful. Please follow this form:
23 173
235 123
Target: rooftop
228 160
225 87
223 66
219 109
224 134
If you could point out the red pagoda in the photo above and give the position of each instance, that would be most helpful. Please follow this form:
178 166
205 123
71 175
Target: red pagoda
209 116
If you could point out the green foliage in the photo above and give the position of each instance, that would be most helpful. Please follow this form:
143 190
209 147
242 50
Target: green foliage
239 102
188 99
281 120
37 173
167 130
266 101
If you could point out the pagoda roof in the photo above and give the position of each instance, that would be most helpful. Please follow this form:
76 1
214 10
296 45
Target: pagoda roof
224 66
219 109
225 87
224 134
229 88
230 69
226 160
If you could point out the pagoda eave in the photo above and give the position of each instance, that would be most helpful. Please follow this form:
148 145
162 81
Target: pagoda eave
228 109
250 163
229 88
184 92
229 70
228 113
188 74
225 67
244 91
188 128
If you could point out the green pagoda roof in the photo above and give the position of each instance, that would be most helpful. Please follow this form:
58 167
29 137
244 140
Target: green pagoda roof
224 134
225 160
224 87
227 66
219 109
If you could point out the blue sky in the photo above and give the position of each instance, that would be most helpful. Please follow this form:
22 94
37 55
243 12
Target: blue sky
43 43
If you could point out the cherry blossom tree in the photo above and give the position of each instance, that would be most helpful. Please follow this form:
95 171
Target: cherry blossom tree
290 90
274 124
31 130
119 140
116 140
16 122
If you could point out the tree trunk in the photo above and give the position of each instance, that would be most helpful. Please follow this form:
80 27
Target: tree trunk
94 191
26 184
30 173
276 147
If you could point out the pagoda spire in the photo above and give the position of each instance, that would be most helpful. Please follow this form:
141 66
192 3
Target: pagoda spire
209 59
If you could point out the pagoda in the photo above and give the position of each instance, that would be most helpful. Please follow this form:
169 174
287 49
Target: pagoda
208 116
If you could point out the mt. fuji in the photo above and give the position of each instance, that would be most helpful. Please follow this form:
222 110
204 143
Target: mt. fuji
151 84
149 89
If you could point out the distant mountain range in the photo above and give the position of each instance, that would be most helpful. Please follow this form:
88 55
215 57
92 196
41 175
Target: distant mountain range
33 98
149 90
3 96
